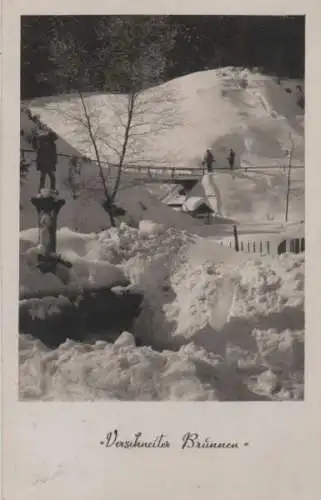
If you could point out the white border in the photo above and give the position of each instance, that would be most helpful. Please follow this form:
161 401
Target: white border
51 450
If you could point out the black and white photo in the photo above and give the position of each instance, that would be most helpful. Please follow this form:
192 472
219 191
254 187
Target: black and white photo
162 208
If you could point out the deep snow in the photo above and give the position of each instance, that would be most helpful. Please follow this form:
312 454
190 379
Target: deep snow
216 324
219 326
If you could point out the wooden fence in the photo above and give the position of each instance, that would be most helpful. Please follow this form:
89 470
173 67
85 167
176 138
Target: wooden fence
264 247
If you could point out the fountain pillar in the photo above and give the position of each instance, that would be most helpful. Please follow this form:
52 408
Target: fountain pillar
48 206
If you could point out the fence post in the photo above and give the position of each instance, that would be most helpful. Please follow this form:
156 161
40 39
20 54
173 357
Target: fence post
302 244
289 181
295 245
236 239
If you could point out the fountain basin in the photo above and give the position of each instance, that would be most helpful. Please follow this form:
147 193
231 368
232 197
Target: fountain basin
92 314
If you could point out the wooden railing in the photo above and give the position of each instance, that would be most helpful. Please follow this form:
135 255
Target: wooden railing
160 170
172 172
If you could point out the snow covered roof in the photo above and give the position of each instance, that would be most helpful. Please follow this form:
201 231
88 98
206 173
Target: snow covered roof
220 114
177 201
243 119
193 203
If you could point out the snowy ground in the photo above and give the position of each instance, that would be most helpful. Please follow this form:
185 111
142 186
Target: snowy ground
216 324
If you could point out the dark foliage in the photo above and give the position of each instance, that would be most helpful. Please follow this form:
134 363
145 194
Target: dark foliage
274 43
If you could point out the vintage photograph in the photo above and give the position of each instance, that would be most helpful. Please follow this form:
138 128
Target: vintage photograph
162 210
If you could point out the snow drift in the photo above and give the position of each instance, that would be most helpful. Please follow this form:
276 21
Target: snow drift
80 251
216 326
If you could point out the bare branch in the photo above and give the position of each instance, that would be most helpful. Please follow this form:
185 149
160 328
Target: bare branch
118 126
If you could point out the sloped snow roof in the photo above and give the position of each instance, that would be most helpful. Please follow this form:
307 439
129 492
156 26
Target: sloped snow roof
207 109
193 203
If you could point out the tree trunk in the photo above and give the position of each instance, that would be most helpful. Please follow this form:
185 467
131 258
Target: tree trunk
131 105
108 204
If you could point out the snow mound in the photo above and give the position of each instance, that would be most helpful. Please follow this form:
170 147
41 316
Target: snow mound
215 325
89 265
150 228
118 371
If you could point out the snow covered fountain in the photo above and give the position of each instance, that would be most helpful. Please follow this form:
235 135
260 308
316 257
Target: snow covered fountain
66 296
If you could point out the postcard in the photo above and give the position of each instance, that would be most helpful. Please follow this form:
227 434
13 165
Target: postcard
160 250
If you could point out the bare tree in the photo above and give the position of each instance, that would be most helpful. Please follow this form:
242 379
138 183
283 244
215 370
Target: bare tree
71 67
132 61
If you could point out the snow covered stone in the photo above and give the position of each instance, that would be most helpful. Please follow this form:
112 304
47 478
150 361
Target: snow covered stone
149 228
266 383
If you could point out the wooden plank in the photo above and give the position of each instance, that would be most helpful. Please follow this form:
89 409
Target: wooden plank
236 240
302 244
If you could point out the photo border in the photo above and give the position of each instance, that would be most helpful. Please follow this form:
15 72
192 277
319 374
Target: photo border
53 449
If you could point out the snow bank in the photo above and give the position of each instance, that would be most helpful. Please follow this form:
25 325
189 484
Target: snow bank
81 250
217 324
150 228
118 371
